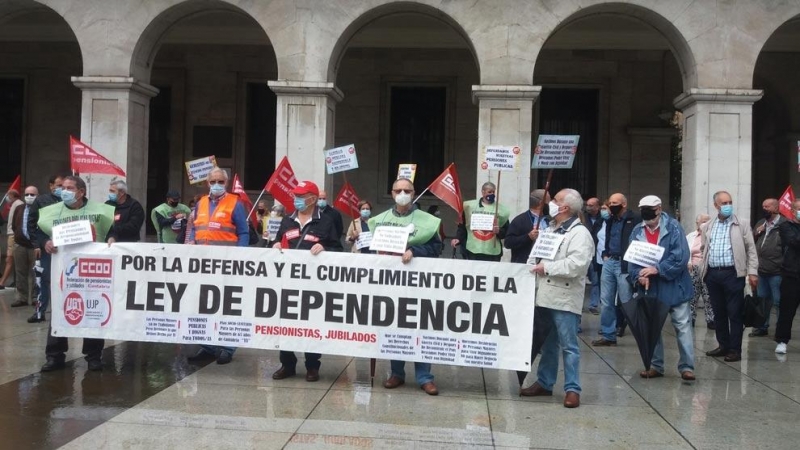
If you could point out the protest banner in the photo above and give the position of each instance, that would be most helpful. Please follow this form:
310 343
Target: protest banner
644 254
407 171
347 201
546 247
85 160
555 152
503 158
470 313
340 159
281 183
785 203
198 169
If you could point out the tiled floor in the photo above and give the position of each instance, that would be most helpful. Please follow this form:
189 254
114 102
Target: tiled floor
149 397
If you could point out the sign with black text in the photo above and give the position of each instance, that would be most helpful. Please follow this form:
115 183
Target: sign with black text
555 152
644 254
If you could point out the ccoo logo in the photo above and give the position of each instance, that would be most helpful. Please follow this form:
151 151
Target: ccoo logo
94 267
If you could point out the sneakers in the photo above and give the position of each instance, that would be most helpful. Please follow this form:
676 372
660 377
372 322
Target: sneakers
781 348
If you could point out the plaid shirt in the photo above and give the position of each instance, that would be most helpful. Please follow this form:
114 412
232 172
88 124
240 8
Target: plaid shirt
720 251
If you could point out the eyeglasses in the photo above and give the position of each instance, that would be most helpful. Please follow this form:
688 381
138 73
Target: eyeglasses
404 191
216 181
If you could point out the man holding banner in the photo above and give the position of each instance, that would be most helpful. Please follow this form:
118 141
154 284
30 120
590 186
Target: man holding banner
74 208
423 241
485 224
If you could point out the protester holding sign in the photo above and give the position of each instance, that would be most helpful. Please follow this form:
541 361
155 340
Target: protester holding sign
358 234
559 296
524 229
423 242
485 224
170 218
669 281
74 208
308 228
128 214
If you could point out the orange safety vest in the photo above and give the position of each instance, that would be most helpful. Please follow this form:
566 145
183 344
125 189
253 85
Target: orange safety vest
217 228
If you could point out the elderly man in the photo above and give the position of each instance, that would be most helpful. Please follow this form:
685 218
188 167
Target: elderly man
75 207
423 242
729 256
669 281
336 216
559 297
770 258
308 228
39 240
524 229
13 197
220 219
594 222
169 218
790 278
24 254
483 245
128 214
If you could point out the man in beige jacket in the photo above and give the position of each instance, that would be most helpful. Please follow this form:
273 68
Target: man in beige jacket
559 296
729 256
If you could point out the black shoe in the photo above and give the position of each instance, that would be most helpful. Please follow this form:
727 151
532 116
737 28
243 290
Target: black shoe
758 333
35 318
19 303
224 357
283 372
201 355
719 351
733 357
52 365
95 365
620 331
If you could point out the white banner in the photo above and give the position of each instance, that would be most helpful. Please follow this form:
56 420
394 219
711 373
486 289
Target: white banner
341 159
198 169
504 158
555 152
644 254
468 313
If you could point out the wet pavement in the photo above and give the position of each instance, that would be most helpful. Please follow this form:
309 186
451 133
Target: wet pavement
149 397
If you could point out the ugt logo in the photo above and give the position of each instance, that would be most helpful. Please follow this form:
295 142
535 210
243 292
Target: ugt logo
74 309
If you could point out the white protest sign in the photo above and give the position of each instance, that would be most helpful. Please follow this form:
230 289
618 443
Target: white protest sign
501 158
198 169
468 313
481 222
273 225
643 253
390 239
546 246
70 233
364 240
555 152
407 171
340 159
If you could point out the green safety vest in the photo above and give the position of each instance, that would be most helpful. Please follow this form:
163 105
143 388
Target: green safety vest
484 242
167 234
425 225
100 215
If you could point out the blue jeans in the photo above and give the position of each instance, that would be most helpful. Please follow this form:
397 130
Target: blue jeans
594 278
612 283
681 316
421 369
564 336
44 291
769 288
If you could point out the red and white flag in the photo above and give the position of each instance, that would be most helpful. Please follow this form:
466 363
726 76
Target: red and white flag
447 188
238 189
785 203
16 185
347 201
281 183
83 159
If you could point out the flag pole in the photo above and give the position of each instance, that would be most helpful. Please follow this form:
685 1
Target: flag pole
255 204
420 195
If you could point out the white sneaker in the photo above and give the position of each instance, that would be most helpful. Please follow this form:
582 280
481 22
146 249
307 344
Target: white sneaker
781 348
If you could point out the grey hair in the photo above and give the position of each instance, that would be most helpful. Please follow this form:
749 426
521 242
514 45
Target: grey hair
573 200
120 185
718 193
488 184
702 218
219 170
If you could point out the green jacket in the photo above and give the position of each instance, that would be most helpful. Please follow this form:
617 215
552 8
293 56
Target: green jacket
100 215
163 218
484 242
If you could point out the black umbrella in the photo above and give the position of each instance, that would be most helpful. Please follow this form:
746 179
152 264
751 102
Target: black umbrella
541 328
646 316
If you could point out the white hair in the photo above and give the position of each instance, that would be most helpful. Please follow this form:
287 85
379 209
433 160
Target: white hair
573 200
120 185
219 170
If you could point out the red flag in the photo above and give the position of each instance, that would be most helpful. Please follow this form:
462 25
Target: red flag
347 201
238 189
785 203
281 183
16 185
448 190
83 159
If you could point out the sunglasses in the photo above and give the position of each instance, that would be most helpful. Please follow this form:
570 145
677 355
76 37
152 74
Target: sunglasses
216 182
404 191
30 195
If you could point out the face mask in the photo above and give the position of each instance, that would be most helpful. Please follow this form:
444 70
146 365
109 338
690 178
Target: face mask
365 213
552 208
216 190
726 210
605 214
767 214
58 192
172 204
300 204
402 199
322 203
68 197
112 197
648 214
29 200
261 211
490 198
615 209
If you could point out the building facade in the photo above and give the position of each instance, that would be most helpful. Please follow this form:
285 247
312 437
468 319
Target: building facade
153 84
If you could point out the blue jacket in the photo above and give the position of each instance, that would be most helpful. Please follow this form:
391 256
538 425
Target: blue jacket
673 285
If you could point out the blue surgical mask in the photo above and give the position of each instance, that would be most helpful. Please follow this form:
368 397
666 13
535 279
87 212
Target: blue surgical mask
797 214
365 213
58 192
216 190
726 210
300 204
605 214
68 197
112 197
490 198
322 203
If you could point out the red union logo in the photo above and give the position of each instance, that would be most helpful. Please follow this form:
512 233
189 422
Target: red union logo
516 150
94 267
484 166
449 183
82 150
73 308
351 150
287 176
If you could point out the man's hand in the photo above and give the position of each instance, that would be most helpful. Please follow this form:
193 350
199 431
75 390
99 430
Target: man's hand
277 246
454 242
538 269
533 234
644 281
50 248
407 257
495 229
111 241
317 249
648 272
37 253
753 279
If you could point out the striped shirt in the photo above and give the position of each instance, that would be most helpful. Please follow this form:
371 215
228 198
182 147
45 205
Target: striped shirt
720 251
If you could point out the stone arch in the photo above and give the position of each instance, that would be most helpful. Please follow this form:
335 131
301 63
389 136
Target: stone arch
385 10
11 9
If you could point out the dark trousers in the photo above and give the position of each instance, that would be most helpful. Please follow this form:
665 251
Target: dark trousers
288 360
790 299
726 292
58 346
44 292
482 257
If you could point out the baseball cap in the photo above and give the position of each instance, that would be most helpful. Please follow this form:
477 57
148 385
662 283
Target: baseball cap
306 187
650 201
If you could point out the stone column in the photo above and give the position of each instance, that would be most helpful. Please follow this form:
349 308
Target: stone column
505 117
114 122
717 149
305 126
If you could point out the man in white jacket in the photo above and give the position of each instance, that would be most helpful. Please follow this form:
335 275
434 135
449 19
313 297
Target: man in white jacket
559 296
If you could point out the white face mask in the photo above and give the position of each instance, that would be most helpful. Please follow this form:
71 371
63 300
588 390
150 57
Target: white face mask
553 207
402 199
29 200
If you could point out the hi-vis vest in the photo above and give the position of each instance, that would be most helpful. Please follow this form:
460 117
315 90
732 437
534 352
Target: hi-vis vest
484 242
216 228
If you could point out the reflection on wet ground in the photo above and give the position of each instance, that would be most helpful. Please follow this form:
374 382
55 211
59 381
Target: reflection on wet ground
149 397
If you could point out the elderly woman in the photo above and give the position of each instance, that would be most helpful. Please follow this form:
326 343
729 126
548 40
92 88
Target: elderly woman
359 226
700 289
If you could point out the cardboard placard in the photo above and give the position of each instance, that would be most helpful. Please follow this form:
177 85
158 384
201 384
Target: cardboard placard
390 239
341 159
546 247
70 233
198 169
364 240
407 171
644 254
481 222
504 158
555 152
